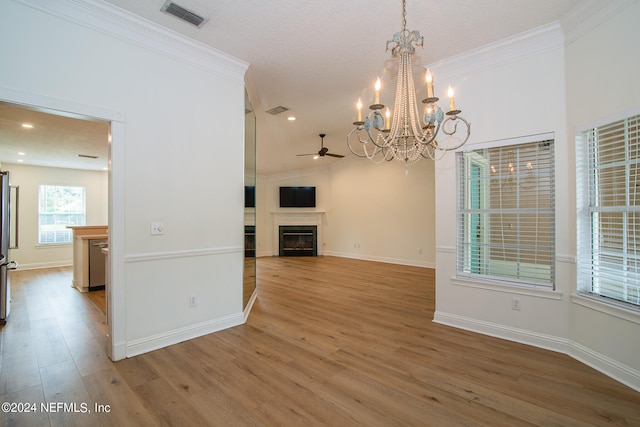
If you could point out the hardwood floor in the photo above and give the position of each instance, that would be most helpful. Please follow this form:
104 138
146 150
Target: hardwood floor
330 342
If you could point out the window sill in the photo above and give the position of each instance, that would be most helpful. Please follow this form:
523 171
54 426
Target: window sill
610 308
508 288
52 245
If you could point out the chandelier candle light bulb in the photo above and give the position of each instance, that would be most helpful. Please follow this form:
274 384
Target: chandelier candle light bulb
359 107
387 122
429 80
377 88
452 104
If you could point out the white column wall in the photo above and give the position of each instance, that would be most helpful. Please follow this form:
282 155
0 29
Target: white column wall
603 86
522 95
529 90
177 157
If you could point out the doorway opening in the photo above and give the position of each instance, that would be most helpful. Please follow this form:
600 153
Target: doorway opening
58 144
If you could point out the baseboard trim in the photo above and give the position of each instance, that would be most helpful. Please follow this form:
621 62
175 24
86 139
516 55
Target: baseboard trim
412 263
39 265
155 342
119 351
618 371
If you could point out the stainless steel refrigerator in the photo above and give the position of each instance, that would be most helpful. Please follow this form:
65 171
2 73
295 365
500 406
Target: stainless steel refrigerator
5 243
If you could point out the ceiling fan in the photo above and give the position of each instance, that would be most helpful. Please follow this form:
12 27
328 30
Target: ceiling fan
324 151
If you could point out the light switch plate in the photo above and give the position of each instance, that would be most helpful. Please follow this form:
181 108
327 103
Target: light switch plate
157 228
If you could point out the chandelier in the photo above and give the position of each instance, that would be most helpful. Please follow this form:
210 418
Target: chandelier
400 134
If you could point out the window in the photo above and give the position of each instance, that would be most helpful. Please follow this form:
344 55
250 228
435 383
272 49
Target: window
58 207
608 177
506 223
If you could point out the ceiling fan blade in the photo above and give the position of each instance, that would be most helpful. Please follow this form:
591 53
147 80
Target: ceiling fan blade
334 155
310 154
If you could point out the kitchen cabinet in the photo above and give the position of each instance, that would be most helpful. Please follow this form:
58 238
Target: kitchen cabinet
88 240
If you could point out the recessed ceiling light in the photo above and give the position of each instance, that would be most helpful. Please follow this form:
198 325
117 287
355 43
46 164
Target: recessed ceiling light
21 153
27 125
20 161
291 118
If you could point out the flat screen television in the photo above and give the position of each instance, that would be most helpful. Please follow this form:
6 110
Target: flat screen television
297 197
249 196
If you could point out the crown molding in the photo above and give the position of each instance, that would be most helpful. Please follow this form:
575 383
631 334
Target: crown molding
530 43
113 21
588 15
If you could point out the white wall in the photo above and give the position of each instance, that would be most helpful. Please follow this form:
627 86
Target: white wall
523 87
381 213
602 86
29 178
177 111
377 212
516 97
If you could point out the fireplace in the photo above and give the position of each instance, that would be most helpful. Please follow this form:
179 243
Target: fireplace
307 219
298 240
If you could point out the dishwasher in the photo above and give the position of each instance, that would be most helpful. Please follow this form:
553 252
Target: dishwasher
97 266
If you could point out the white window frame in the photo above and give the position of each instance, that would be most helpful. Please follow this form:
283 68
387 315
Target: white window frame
467 157
589 273
62 235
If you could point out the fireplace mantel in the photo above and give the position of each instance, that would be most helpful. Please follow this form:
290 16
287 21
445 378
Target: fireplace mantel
298 217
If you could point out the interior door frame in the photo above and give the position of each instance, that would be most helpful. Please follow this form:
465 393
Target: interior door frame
116 212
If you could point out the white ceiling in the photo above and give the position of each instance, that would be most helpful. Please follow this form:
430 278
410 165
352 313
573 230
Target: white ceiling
55 140
317 57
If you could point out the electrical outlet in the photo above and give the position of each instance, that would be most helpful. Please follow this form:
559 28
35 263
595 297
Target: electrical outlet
419 251
515 304
193 301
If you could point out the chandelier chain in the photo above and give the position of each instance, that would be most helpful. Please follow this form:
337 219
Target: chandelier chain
404 15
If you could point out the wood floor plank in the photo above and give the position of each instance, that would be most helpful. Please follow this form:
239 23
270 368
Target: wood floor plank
65 391
19 366
49 343
329 342
218 408
166 406
117 404
33 417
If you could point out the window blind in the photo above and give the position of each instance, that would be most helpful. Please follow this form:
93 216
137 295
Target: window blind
609 211
505 218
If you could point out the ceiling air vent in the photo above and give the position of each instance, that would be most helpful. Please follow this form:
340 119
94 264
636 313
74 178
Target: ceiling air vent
277 110
180 12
